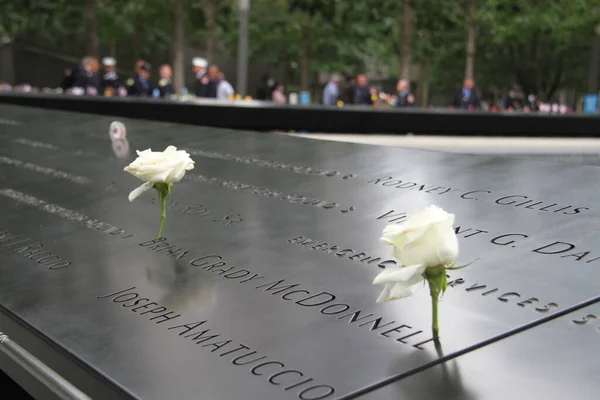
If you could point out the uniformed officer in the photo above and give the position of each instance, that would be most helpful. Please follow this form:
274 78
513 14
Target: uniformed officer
203 83
165 83
130 82
140 85
109 84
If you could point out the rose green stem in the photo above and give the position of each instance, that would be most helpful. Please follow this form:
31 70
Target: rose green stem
434 314
163 211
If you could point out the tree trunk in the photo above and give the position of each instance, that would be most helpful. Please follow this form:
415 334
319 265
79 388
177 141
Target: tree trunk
137 41
112 48
471 32
209 14
407 39
423 85
178 48
92 45
7 62
304 68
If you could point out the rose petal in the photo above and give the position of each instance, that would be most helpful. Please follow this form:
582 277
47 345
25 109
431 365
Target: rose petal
385 294
400 291
139 190
409 274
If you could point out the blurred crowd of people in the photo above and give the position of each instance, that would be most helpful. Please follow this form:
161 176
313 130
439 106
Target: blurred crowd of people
358 91
88 78
92 78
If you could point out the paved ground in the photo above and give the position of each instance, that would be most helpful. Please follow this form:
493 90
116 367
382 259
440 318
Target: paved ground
578 150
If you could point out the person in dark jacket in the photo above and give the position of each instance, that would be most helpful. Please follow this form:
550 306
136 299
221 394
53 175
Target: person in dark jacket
214 78
405 97
202 87
466 98
265 89
109 83
86 80
68 78
165 83
512 102
363 92
140 85
348 90
532 103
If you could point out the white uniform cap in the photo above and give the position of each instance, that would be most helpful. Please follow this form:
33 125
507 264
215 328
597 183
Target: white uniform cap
199 62
109 61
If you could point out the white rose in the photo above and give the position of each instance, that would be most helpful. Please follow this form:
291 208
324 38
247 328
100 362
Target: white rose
167 166
426 239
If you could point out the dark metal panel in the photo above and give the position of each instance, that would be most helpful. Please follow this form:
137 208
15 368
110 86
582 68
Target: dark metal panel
247 254
264 116
557 360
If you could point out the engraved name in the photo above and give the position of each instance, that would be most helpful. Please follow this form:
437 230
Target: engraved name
588 319
198 210
45 170
64 213
288 291
558 247
513 200
291 198
35 143
505 297
9 122
341 252
298 169
394 216
49 146
35 251
274 372
510 239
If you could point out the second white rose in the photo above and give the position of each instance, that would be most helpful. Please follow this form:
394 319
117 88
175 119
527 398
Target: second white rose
426 238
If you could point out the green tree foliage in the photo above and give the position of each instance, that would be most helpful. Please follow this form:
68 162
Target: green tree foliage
541 45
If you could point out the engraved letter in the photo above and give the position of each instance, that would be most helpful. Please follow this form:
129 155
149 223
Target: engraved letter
215 257
503 297
217 345
547 307
396 217
301 302
115 293
273 285
504 242
376 181
289 371
560 250
509 197
345 307
253 370
396 329
528 301
585 319
328 391
285 296
464 195
188 327
234 361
